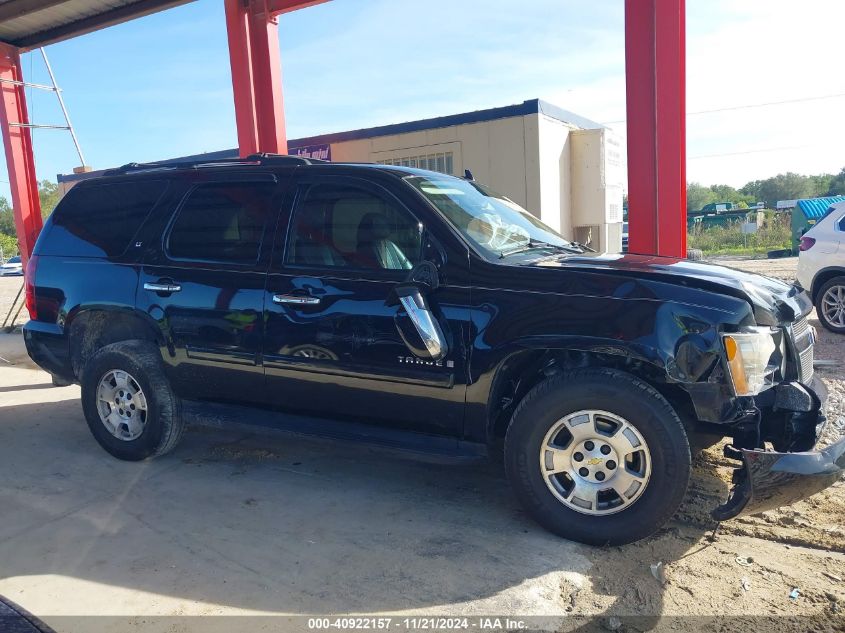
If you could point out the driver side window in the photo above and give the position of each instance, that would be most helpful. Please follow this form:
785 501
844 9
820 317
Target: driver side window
343 226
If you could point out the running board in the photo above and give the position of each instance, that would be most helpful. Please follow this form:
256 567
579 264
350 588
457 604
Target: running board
432 448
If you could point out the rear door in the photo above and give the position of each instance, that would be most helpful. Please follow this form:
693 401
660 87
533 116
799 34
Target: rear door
332 345
204 285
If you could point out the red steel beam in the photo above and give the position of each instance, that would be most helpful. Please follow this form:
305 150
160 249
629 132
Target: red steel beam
20 160
277 7
257 72
655 53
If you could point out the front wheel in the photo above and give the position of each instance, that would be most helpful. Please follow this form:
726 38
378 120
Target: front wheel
598 456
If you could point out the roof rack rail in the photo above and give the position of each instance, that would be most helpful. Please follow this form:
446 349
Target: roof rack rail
283 159
140 167
253 159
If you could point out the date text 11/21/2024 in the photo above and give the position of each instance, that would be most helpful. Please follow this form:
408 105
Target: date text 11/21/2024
414 624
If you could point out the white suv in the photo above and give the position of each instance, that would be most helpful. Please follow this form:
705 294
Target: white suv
821 267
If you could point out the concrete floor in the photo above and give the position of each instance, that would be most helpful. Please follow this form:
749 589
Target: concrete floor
233 522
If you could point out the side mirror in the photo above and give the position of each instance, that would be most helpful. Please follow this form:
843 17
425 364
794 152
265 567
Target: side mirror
419 328
426 276
433 251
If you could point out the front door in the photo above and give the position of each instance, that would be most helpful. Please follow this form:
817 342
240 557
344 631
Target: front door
332 345
205 287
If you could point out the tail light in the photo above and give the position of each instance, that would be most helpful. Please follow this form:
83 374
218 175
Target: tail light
29 284
806 243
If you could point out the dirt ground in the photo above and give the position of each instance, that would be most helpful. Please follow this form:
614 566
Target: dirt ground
238 522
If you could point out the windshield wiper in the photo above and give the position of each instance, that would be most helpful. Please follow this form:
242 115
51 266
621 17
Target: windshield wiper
584 247
534 244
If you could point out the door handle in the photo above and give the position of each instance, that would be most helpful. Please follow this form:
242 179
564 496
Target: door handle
296 300
163 287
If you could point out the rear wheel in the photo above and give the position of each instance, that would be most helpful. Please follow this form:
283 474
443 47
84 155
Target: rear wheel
830 305
598 456
129 405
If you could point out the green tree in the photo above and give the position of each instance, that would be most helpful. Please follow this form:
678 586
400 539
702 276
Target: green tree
788 186
7 218
698 196
836 187
820 184
9 244
726 193
48 193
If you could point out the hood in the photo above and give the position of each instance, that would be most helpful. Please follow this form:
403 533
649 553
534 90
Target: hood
769 297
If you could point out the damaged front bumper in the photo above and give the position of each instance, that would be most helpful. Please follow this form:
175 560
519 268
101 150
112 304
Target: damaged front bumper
769 479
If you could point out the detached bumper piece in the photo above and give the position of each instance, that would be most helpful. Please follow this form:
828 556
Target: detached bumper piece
769 479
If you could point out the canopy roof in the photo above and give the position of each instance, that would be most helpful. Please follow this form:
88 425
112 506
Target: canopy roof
814 208
32 23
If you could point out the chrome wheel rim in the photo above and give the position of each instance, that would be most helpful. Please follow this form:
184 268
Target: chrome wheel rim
122 405
833 306
595 462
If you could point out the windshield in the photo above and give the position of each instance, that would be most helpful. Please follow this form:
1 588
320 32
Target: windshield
14 260
494 223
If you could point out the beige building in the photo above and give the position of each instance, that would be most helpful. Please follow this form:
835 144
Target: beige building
563 168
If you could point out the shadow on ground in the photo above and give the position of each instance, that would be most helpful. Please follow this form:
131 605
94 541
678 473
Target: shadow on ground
283 524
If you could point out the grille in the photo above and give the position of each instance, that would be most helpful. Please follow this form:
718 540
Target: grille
800 329
802 339
806 360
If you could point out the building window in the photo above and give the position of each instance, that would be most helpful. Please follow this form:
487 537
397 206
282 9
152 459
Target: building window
443 162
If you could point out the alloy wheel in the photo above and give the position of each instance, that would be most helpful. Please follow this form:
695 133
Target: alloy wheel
595 462
122 405
833 306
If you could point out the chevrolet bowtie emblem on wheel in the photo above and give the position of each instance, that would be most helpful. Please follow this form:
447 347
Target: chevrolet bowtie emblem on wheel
594 461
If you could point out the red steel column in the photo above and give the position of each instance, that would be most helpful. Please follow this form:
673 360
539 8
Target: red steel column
238 27
267 74
256 77
655 52
20 160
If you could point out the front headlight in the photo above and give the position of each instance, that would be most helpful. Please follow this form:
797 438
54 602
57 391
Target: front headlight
749 354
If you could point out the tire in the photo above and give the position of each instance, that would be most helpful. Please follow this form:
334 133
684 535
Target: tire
837 286
620 396
161 423
695 254
780 253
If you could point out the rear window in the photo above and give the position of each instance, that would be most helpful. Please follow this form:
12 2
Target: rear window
222 223
101 220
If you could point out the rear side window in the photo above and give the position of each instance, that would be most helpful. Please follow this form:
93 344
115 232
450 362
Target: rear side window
101 220
222 223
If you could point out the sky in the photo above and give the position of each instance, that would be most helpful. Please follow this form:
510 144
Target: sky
160 86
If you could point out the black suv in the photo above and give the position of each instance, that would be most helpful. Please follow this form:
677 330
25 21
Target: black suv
424 311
